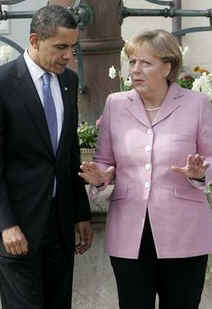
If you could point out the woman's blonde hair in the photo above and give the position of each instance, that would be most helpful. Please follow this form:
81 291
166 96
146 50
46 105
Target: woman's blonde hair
165 46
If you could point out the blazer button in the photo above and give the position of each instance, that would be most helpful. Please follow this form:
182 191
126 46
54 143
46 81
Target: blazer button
147 185
49 197
147 148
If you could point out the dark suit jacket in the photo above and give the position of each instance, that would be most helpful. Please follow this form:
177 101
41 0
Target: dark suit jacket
27 163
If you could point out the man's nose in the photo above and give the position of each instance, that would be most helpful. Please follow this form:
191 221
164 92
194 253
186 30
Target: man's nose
68 54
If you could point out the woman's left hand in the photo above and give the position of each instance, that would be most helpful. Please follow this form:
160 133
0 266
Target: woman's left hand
195 167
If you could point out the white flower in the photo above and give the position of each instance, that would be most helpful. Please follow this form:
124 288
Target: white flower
112 72
197 84
203 84
5 53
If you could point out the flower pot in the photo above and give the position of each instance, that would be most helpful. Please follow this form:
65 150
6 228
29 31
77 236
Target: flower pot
86 154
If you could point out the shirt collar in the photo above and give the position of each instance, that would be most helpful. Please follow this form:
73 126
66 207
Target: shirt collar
35 70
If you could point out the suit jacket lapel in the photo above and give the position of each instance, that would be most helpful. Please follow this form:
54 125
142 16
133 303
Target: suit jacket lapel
66 96
27 91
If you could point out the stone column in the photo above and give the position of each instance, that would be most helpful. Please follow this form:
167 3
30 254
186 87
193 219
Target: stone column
101 44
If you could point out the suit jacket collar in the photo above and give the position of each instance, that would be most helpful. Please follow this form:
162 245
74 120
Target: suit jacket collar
170 104
32 103
27 92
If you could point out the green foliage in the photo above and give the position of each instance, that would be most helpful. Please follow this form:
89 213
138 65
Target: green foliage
87 135
186 82
125 85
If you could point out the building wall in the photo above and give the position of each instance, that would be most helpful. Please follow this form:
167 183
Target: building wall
199 43
19 28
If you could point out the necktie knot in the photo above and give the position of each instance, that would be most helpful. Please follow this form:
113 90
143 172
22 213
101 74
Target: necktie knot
46 78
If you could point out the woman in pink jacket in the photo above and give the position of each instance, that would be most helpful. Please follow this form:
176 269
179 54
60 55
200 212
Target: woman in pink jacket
158 137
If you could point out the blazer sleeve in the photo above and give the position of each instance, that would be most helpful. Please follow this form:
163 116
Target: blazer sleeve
104 155
204 136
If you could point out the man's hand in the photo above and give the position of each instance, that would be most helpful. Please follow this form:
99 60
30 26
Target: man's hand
14 241
85 232
195 167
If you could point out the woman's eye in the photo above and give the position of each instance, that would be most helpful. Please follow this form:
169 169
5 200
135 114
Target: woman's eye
131 62
146 62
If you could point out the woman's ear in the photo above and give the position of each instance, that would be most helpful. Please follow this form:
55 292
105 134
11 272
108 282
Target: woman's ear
167 69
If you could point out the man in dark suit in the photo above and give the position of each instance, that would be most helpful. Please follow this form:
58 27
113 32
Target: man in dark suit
42 198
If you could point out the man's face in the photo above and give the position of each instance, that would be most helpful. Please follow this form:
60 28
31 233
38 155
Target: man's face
54 53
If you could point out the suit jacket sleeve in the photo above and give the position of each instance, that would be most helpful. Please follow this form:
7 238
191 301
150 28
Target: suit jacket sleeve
7 218
82 209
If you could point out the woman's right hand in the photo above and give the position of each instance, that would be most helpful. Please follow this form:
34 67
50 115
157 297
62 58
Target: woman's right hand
93 175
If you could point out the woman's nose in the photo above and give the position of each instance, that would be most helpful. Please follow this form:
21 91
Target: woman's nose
136 67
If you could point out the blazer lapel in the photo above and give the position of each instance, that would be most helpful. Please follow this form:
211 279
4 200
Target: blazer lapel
170 104
32 103
136 108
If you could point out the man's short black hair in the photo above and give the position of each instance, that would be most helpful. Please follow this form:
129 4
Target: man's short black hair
47 19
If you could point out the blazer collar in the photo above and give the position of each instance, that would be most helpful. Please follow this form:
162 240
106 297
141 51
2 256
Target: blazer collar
170 104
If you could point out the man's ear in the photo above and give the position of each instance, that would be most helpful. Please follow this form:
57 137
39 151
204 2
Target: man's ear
34 40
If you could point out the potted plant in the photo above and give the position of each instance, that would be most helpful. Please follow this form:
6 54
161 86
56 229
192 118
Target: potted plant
87 134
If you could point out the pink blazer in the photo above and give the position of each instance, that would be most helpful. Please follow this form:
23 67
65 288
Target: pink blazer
143 153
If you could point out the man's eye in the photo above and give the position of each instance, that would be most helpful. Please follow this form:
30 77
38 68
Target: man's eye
60 47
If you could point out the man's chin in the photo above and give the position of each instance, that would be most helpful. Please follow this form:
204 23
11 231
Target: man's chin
59 69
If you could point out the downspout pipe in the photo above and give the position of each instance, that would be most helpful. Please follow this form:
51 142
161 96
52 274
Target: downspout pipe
177 21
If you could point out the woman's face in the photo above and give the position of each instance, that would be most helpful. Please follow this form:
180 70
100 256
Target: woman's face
147 71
